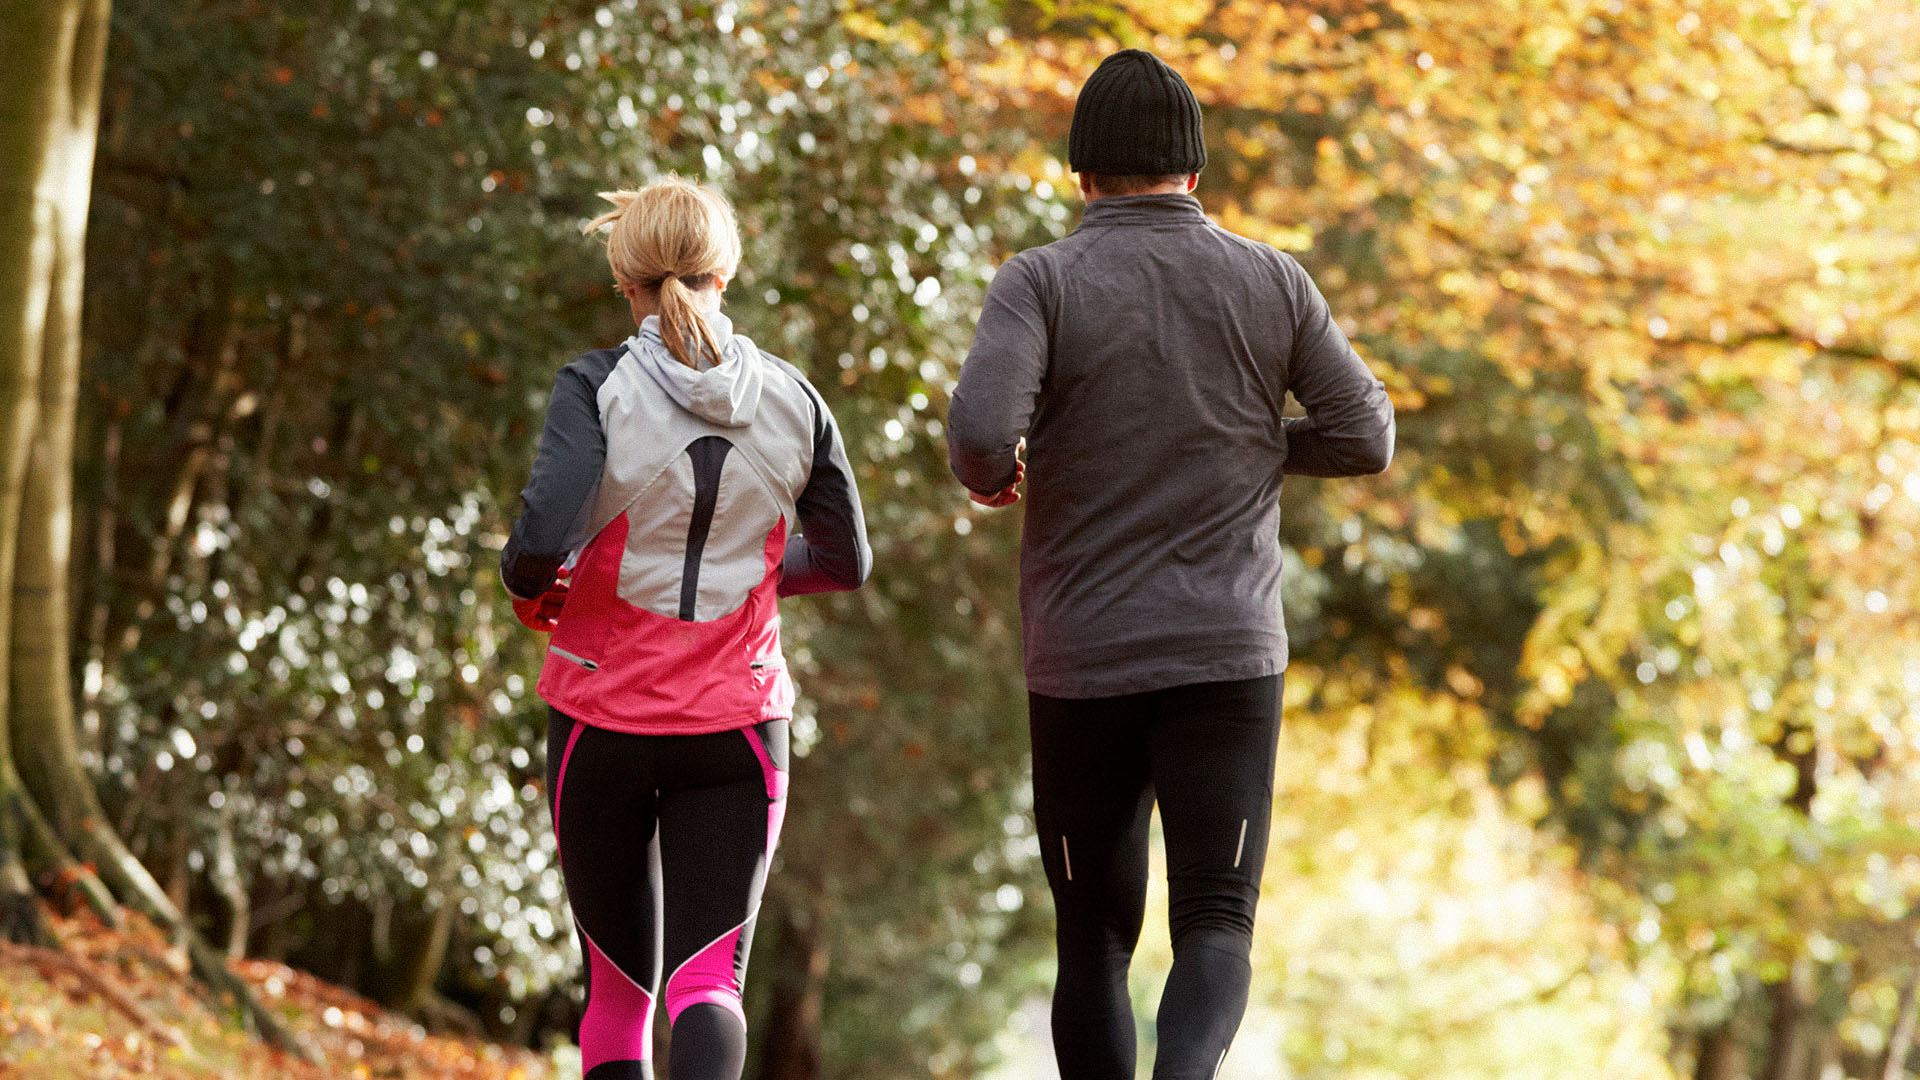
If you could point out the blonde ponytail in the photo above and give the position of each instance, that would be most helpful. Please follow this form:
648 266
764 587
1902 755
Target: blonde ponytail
673 236
680 319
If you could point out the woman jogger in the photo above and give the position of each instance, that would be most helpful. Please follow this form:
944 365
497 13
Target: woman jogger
657 535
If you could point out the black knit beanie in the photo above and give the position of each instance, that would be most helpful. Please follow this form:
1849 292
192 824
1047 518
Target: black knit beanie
1135 117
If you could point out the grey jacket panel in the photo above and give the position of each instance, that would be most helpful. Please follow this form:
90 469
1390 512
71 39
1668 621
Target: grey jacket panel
656 411
1146 358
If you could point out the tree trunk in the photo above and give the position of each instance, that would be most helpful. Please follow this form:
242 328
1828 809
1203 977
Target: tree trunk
224 871
39 494
195 414
46 744
408 954
52 55
1786 1044
429 930
26 840
20 920
39 704
35 56
100 587
1893 1064
791 1048
271 905
342 935
427 960
1718 1055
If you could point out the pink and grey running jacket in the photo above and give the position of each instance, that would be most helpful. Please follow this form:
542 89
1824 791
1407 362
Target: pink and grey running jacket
674 495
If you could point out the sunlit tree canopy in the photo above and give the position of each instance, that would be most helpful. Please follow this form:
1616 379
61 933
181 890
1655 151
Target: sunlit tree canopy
1601 728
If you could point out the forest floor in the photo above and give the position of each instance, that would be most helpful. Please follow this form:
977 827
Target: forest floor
118 1004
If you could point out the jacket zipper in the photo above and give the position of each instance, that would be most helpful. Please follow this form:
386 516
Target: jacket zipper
565 655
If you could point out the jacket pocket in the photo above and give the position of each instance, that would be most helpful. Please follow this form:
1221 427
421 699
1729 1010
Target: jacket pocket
772 686
574 658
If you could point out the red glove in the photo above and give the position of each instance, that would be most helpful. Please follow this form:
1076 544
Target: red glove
542 613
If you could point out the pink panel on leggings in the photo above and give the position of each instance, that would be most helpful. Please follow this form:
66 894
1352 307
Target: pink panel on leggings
776 778
619 1020
776 789
560 776
707 977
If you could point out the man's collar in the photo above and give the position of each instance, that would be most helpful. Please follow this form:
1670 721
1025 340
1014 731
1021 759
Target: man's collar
1152 209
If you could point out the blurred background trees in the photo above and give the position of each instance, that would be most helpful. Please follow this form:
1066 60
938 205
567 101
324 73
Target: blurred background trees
1604 702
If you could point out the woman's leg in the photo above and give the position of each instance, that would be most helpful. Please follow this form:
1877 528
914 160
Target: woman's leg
721 807
1091 804
600 789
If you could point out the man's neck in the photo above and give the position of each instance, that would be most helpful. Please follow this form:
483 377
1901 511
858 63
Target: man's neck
1163 189
1182 186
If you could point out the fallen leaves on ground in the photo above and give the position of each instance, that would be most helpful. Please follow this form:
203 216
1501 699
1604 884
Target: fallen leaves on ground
110 1004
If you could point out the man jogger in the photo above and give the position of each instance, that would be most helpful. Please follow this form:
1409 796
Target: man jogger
1145 360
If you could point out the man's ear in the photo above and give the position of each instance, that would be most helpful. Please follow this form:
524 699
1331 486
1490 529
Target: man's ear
1086 186
1193 181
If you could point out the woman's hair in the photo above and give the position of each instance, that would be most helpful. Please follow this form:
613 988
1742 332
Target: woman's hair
674 236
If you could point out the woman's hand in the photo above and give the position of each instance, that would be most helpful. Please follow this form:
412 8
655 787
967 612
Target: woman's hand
542 613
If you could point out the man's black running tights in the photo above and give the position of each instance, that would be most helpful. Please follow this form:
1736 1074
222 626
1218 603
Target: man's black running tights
1206 753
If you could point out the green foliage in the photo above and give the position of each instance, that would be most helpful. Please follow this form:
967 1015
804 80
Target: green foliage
339 262
1624 637
321 243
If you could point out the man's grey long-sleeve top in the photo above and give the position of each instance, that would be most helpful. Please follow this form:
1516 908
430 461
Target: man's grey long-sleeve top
1146 358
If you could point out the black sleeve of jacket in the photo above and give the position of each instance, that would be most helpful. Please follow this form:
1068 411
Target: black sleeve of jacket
831 552
566 473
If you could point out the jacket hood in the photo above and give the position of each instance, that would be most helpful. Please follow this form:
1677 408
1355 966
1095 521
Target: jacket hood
727 394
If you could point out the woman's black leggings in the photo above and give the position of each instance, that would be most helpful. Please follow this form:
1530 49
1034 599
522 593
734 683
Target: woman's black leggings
1206 753
664 842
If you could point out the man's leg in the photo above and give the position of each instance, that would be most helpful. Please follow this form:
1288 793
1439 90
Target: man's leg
1211 753
1091 804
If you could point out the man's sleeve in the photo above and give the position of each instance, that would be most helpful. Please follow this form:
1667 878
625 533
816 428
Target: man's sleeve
1348 429
831 552
559 495
994 401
